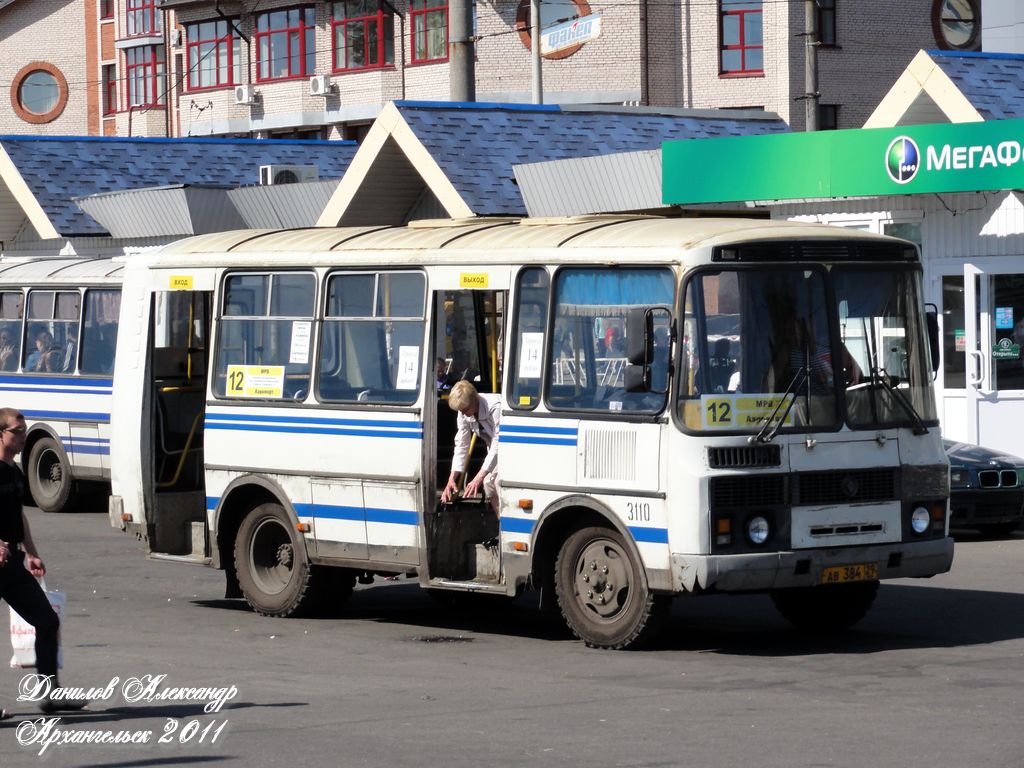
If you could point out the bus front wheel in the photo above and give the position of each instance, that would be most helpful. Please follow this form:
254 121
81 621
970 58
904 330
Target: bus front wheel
49 476
827 608
274 572
603 593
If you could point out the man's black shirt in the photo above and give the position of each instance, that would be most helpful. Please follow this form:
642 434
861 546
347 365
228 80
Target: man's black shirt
12 484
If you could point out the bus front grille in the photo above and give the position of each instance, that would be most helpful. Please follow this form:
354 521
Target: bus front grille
744 456
839 487
743 492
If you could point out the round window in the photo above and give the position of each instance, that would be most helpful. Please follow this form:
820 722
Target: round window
552 14
957 24
39 93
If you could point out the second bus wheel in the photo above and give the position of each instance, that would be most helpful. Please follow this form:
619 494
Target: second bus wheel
273 570
49 476
602 591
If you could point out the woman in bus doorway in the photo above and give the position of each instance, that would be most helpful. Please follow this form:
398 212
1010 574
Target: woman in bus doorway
480 415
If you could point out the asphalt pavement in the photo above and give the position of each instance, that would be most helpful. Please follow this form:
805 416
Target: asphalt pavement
934 676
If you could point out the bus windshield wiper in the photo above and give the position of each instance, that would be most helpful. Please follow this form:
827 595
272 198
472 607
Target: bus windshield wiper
891 384
768 432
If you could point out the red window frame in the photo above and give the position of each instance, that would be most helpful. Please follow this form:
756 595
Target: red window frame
106 9
303 31
420 12
109 89
376 57
740 14
142 18
151 70
227 45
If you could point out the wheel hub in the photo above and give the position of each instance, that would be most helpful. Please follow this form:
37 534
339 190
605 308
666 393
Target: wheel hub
602 579
285 555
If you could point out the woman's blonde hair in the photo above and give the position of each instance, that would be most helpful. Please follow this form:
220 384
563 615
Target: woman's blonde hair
462 396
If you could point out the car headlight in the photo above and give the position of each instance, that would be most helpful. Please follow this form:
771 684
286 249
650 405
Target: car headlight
958 477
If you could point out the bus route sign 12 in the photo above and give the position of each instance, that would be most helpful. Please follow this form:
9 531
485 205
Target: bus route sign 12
741 411
255 381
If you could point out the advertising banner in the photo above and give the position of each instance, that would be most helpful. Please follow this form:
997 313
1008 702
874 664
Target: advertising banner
906 160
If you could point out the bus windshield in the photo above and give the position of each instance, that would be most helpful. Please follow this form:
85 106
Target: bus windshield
797 348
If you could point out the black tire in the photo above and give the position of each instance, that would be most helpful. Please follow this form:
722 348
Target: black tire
273 570
49 476
827 608
998 529
603 594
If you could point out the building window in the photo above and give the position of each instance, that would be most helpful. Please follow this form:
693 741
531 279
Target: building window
826 12
109 89
39 93
828 117
285 44
957 24
429 21
552 14
144 72
106 9
214 54
142 18
364 35
742 38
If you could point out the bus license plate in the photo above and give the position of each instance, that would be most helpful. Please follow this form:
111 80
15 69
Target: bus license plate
844 573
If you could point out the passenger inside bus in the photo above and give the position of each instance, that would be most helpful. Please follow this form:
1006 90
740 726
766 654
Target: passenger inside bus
8 350
36 360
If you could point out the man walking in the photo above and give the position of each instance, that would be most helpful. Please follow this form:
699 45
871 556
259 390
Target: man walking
20 566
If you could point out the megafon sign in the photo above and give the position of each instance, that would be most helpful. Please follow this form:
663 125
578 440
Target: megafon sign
857 163
570 33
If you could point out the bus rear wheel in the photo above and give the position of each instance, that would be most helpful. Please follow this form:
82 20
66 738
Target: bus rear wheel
827 608
273 570
49 476
602 592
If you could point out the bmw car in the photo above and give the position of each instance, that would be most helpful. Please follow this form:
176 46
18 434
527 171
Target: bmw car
986 489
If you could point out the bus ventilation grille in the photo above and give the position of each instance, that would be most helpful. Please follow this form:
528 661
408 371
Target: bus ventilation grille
844 487
743 492
744 456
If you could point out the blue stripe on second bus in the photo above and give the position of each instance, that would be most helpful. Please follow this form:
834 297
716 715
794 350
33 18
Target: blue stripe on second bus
310 425
367 514
640 534
83 445
539 435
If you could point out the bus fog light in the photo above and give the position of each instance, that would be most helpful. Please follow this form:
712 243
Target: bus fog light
757 530
919 520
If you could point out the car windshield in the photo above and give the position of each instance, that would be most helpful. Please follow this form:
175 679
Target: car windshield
769 349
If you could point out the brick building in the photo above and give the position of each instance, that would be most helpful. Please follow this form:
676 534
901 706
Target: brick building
324 69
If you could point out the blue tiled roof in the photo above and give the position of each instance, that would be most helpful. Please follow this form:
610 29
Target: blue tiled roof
477 144
58 169
992 82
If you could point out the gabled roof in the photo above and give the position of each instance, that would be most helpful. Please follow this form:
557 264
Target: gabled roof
459 157
39 176
955 87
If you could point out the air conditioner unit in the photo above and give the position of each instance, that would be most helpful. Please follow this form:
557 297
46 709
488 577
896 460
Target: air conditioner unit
176 38
245 94
288 174
320 85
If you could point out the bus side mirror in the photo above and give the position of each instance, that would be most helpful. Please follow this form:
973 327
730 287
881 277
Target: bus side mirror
646 350
931 316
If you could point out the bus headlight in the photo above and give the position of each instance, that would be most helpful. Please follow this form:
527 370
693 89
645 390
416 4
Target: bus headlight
920 519
757 530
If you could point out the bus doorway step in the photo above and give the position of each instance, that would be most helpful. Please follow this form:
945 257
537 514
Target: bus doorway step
483 587
191 559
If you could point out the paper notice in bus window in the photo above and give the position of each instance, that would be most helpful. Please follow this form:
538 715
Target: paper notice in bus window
408 367
529 355
742 411
301 331
255 381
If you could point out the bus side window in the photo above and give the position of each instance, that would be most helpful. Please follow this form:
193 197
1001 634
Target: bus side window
99 332
11 303
528 337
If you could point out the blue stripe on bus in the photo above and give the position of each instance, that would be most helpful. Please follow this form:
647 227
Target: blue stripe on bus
368 514
517 524
212 502
417 434
505 428
77 439
537 440
56 391
331 422
99 450
63 381
101 418
649 535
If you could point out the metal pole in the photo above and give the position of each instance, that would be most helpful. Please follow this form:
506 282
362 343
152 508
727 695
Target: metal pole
461 67
538 86
810 66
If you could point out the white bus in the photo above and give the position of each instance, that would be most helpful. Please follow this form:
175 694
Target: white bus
58 333
681 414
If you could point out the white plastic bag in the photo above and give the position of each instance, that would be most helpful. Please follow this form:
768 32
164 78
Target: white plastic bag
23 634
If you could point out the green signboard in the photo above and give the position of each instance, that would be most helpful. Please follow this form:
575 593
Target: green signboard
907 160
